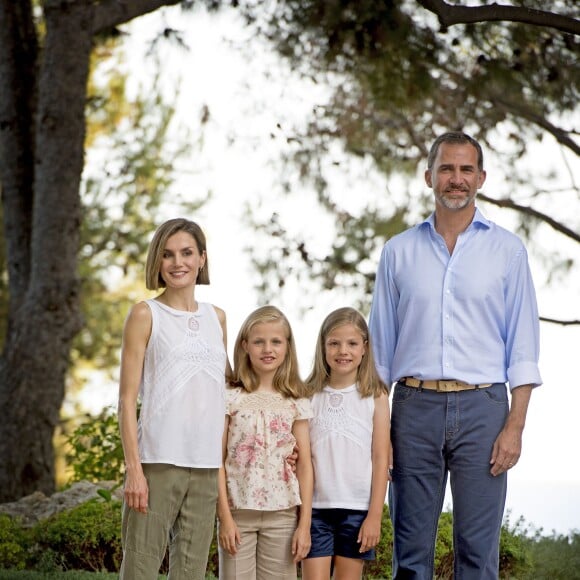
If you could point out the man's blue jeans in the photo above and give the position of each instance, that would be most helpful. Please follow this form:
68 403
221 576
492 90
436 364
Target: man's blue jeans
435 434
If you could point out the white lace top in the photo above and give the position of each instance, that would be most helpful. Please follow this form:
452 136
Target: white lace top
341 435
259 441
183 388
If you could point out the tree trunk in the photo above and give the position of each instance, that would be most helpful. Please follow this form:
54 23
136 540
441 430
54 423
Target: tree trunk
44 320
42 131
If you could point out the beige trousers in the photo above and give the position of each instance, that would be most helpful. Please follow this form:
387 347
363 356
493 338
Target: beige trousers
181 514
266 549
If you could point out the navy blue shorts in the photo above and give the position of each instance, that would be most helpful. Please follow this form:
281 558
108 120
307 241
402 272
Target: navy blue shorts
334 533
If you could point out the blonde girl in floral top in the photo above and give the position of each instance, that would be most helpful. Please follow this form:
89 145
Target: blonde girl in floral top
264 505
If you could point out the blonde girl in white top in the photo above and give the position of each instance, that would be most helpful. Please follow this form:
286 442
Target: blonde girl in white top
350 449
174 362
262 531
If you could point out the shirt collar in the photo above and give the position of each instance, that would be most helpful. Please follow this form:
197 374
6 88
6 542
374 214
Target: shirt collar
479 221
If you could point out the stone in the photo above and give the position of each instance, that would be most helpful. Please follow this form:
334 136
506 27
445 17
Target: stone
37 506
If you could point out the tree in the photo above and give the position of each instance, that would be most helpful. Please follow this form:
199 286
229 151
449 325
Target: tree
507 74
45 56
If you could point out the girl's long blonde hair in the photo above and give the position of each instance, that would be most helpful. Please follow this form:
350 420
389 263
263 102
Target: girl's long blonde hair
368 380
287 379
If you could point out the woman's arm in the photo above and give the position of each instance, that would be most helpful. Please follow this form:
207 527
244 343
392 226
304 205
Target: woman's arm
305 475
135 338
370 531
229 534
222 319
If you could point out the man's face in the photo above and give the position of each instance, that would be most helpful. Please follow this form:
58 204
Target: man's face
454 176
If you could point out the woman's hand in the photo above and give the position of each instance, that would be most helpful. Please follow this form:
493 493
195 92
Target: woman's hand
136 491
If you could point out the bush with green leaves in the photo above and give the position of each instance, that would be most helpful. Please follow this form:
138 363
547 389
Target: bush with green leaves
515 559
553 557
87 537
95 449
515 553
381 566
13 543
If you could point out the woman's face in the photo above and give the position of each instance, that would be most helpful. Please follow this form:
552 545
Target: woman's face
181 261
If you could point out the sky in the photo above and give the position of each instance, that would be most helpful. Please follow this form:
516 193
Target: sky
247 98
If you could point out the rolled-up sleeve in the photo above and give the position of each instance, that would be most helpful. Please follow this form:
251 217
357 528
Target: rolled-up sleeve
383 319
522 325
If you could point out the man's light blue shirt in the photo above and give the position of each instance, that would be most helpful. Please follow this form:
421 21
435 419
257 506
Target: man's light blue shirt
470 316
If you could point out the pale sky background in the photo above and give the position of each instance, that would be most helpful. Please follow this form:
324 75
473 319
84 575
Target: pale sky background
247 97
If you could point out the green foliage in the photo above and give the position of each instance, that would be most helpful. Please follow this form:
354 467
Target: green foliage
514 554
381 567
515 550
555 556
213 558
444 547
396 81
87 537
95 450
69 575
13 543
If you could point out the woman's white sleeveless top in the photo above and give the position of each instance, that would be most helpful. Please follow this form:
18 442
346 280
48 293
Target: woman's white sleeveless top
341 435
183 388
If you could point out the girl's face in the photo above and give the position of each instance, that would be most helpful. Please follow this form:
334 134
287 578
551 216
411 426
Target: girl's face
344 349
181 261
267 346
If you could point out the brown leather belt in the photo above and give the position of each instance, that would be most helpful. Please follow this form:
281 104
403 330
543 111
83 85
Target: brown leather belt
442 386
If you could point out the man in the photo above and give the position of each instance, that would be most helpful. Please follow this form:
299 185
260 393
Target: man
454 316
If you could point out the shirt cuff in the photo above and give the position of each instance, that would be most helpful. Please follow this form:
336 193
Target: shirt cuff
524 373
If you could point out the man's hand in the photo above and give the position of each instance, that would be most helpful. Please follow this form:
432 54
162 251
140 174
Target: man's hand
508 445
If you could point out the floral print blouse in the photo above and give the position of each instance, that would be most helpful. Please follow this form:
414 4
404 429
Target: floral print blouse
259 441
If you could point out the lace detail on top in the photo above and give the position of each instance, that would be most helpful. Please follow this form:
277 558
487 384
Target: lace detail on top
341 434
194 349
259 441
183 388
333 418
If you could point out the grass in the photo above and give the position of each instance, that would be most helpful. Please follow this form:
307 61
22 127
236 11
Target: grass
70 575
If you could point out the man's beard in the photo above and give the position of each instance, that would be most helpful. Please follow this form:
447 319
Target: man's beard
458 203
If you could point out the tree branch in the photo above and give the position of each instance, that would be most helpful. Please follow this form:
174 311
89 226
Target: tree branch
110 13
554 224
561 135
449 15
561 322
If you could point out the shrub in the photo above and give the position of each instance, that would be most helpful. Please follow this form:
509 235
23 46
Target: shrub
13 544
444 547
555 556
515 550
381 567
514 555
96 452
87 537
